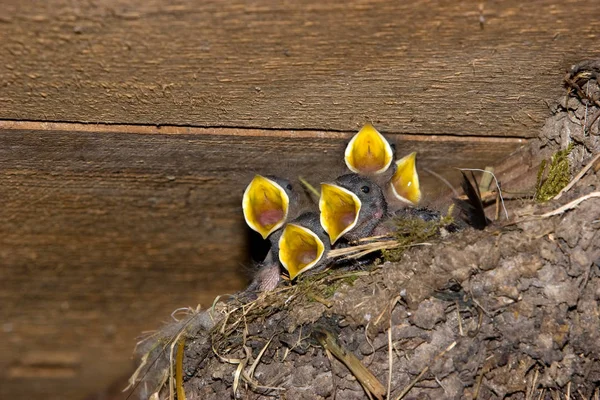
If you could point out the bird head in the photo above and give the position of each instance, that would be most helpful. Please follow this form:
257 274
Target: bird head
368 152
404 183
266 203
351 207
303 245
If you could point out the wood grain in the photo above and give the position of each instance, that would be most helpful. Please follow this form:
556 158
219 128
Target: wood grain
105 233
429 67
129 129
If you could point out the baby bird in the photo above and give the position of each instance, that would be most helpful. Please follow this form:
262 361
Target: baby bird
266 203
303 245
300 246
369 153
404 183
351 207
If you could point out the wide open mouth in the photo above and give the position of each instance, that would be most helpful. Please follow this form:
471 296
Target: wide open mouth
405 182
339 210
368 152
300 249
265 205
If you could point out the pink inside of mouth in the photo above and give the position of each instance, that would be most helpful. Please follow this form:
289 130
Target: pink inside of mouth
347 219
371 165
306 257
270 217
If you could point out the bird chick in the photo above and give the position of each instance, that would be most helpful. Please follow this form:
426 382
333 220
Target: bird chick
266 203
404 183
303 245
300 246
351 207
368 152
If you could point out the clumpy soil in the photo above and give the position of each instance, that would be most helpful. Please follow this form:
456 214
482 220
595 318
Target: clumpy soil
511 312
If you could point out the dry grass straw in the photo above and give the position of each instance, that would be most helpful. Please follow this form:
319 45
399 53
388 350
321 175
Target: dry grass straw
158 342
230 336
362 250
578 176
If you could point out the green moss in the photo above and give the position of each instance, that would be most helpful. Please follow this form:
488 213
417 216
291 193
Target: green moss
325 284
415 230
558 176
330 289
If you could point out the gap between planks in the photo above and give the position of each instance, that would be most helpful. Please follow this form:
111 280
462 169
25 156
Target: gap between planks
231 131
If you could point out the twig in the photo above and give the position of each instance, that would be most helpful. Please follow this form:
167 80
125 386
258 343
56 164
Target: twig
371 238
390 361
179 370
569 206
578 176
178 340
486 180
255 363
478 382
364 249
497 213
530 391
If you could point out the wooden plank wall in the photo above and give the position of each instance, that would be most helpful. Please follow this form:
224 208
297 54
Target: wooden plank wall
128 130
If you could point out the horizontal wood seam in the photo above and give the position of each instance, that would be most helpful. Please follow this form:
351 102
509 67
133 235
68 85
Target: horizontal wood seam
233 131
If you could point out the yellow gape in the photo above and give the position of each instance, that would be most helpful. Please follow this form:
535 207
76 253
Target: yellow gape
265 205
368 152
339 210
405 182
300 249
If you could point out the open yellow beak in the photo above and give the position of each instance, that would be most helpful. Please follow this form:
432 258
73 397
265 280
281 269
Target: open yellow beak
405 182
300 249
265 205
339 210
368 152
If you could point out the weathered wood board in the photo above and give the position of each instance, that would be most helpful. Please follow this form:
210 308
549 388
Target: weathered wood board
428 67
128 130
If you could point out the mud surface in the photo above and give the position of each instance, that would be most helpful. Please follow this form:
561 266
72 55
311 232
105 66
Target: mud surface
512 312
